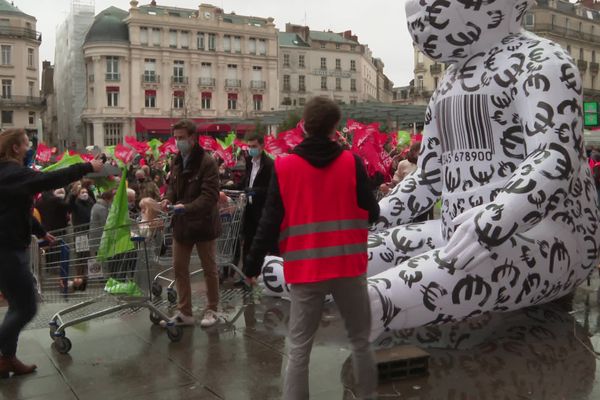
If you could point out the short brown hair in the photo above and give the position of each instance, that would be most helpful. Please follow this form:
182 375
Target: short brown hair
186 124
321 116
8 139
255 136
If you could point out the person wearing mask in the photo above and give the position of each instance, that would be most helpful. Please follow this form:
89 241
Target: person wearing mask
319 207
54 210
98 218
18 186
80 205
132 203
144 187
194 192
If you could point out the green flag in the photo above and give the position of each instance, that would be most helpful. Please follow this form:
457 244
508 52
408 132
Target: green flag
66 161
116 238
229 139
154 145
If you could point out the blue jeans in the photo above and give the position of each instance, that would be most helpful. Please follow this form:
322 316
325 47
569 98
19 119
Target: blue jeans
17 286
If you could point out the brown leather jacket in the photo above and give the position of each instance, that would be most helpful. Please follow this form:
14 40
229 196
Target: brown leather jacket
197 187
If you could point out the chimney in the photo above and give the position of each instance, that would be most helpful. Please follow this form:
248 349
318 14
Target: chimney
349 36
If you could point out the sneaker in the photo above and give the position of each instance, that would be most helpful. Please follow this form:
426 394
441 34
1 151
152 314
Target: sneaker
179 319
210 318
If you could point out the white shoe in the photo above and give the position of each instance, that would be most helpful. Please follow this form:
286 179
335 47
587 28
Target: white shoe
179 319
210 318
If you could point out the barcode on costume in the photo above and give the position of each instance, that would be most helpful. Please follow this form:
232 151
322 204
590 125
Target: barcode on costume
464 123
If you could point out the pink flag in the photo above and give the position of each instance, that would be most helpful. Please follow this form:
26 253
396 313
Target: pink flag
124 153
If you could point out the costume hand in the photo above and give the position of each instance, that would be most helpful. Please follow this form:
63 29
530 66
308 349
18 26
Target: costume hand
464 246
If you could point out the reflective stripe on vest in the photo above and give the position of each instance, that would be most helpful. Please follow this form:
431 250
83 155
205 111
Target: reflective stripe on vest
321 227
326 252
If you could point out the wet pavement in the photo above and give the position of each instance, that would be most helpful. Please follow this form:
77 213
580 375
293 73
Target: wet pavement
545 352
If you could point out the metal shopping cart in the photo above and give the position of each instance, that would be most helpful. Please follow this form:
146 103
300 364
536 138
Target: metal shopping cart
68 275
232 215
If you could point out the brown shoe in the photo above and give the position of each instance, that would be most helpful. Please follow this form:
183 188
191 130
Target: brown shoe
14 365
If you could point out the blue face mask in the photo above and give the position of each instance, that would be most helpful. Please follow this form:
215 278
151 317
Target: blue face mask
254 152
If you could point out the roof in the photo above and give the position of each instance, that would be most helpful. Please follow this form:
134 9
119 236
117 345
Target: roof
291 40
190 13
8 8
109 26
330 37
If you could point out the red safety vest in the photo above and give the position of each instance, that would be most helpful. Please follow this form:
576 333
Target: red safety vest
324 232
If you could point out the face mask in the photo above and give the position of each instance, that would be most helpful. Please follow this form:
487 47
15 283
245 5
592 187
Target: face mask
184 146
254 152
84 197
60 195
141 180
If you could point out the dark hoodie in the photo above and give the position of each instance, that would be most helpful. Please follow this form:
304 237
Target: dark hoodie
319 152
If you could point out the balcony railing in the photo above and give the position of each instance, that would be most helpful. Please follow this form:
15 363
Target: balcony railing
179 80
594 68
207 82
435 69
258 84
17 101
582 64
150 78
563 32
114 77
233 83
20 33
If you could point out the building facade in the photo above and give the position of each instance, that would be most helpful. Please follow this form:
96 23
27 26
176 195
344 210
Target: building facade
152 65
49 114
20 101
336 65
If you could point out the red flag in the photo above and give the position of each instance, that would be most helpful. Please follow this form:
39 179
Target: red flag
168 147
44 153
124 153
276 147
240 144
227 156
140 147
208 143
293 137
87 157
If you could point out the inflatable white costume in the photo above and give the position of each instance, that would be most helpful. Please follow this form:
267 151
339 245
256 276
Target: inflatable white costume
503 149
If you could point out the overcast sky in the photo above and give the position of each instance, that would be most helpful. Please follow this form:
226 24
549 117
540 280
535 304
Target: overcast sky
378 23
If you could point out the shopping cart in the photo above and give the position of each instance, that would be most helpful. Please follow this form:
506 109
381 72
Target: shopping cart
68 272
232 215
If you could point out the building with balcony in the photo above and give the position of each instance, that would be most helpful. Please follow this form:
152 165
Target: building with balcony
336 65
149 66
20 101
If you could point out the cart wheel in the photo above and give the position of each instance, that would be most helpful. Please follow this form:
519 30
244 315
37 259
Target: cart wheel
172 296
156 289
175 333
62 344
155 318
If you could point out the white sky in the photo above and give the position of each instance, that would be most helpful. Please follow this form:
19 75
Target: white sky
381 24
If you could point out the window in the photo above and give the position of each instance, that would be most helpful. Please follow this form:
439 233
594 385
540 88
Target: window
338 83
302 61
173 38
262 47
529 19
252 46
257 77
150 99
593 56
258 102
236 45
353 102
113 134
420 82
581 54
337 46
156 36
178 99
6 88
322 45
323 63
353 85
353 65
301 101
178 66
286 82
286 60
338 64
569 49
144 36
436 81
150 70
232 101
212 42
30 58
6 54
553 20
185 40
324 82
112 96
206 100
302 83
7 117
353 48
112 69
226 43
31 89
31 118
201 41
286 101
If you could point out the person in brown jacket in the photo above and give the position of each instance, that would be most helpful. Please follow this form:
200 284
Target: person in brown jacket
194 192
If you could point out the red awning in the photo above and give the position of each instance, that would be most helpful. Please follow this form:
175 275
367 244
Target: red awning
151 93
206 95
162 126
179 93
258 97
232 96
112 88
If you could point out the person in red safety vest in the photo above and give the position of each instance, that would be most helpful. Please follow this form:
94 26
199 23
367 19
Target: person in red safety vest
318 208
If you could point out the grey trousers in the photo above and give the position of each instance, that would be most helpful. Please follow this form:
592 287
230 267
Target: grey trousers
351 298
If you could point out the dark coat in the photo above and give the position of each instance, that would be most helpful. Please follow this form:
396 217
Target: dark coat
197 187
18 185
54 211
81 211
258 192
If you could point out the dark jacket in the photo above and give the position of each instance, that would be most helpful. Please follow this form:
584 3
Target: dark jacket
54 211
196 185
259 189
18 185
319 152
81 211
